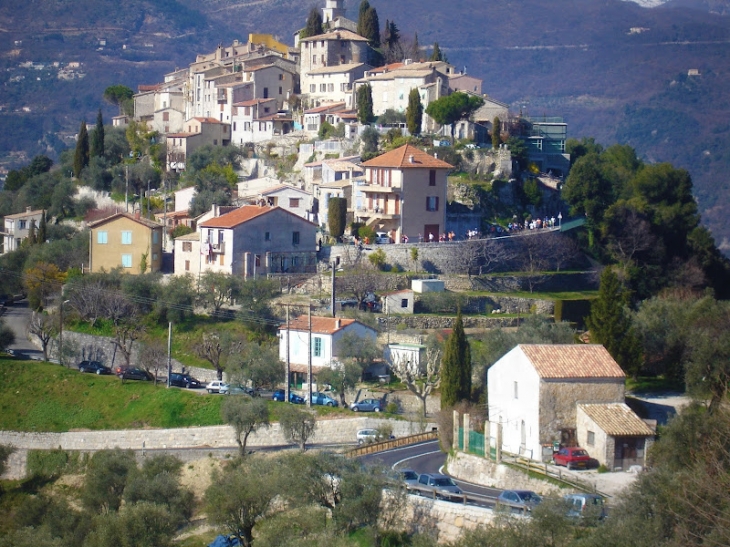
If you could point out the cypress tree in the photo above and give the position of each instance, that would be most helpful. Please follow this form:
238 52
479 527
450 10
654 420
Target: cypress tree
415 49
414 112
81 156
610 324
97 138
42 235
371 28
336 216
496 127
436 54
314 24
365 104
456 367
361 16
32 236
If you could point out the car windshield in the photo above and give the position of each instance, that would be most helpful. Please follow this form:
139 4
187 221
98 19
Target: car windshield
580 453
528 496
443 482
410 475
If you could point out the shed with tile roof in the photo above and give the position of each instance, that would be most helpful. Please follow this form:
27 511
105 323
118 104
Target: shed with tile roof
534 391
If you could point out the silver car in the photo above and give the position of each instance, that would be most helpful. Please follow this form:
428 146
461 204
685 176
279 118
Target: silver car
436 485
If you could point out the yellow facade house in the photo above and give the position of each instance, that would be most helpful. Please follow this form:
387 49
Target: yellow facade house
126 241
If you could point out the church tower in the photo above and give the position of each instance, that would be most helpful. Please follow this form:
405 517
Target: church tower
332 10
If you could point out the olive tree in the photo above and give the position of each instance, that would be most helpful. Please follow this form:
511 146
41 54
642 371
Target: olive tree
245 415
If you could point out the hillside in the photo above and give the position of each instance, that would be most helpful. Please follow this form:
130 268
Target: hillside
579 60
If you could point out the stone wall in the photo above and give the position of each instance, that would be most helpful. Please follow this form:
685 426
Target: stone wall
334 431
444 520
424 322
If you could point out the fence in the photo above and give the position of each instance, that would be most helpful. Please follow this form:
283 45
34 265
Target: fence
372 448
475 444
550 471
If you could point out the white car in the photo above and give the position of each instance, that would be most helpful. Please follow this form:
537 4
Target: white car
382 238
367 436
217 386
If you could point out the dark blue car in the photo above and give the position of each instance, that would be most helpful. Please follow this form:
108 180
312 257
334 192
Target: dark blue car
225 541
279 395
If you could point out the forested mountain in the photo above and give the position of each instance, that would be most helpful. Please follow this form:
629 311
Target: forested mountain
614 70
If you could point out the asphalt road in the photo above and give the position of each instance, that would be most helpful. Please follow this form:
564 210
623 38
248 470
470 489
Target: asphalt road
17 317
428 458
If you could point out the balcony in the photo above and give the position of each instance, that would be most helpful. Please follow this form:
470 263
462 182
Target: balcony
364 212
219 248
376 188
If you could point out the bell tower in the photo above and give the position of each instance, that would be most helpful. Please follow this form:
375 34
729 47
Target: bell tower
332 10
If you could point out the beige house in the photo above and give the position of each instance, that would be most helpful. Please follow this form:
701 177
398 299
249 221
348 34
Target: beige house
398 302
404 194
126 241
197 132
17 227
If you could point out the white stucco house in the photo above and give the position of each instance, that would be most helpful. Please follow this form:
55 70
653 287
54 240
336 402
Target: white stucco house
398 302
325 334
292 199
534 391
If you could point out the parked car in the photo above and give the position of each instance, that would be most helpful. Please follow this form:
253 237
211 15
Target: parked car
225 541
574 457
237 389
588 506
216 386
319 398
382 238
409 478
185 380
522 500
367 405
280 394
132 373
94 366
437 485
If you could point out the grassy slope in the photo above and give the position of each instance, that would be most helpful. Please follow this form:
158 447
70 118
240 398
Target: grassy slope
45 397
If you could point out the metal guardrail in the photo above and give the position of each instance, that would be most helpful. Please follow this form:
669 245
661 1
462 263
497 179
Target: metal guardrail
372 448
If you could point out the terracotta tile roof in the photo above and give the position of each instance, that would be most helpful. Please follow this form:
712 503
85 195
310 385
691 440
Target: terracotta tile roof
25 214
326 108
254 102
385 68
274 189
336 35
236 217
336 69
207 120
193 236
617 419
142 221
572 361
400 158
320 325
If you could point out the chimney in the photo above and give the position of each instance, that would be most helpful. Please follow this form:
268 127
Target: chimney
410 158
28 209
137 214
436 155
337 323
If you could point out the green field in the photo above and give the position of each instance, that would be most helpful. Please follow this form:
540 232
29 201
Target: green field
45 397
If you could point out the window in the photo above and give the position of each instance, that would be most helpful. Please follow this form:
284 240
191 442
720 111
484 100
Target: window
165 116
281 76
102 238
295 238
432 203
317 349
154 256
155 237
591 438
187 265
187 246
266 93
126 237
281 90
127 261
293 202
516 391
312 88
215 142
23 224
267 236
432 177
330 87
404 303
257 259
323 88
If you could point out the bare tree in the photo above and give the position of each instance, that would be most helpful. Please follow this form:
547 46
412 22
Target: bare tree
45 327
629 237
423 377
125 323
561 249
359 282
533 259
216 348
494 254
153 356
87 299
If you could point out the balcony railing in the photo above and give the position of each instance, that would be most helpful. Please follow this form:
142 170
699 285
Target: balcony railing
219 248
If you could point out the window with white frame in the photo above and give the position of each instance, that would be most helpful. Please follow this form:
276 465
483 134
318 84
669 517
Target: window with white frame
591 438
155 236
102 237
317 347
126 237
127 261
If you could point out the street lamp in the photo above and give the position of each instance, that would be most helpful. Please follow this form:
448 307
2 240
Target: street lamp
60 334
560 219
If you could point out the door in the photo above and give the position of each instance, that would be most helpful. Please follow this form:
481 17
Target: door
629 451
431 232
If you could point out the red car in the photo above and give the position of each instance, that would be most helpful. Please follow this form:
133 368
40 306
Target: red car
573 457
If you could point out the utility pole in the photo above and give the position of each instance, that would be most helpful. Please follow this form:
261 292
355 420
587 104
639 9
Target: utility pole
164 217
148 199
126 190
169 353
309 355
332 298
288 360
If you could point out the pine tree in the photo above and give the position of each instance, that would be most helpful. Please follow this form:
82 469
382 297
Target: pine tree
42 229
81 156
456 367
365 104
314 24
414 112
496 128
436 54
97 138
610 324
